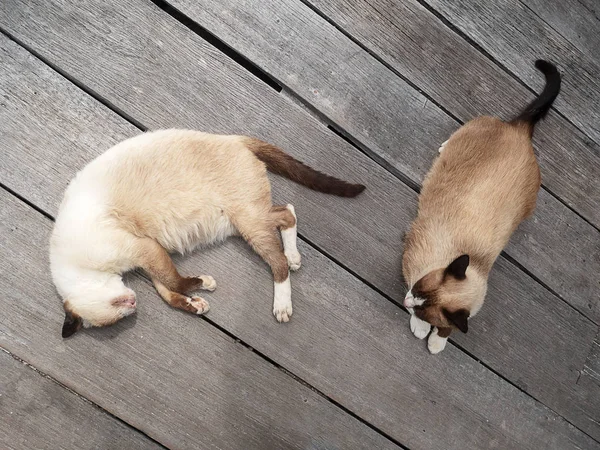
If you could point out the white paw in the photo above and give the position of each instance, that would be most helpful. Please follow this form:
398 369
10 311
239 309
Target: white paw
283 312
199 304
436 344
419 327
443 146
282 301
293 258
208 283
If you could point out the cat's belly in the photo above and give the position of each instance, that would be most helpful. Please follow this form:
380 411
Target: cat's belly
205 230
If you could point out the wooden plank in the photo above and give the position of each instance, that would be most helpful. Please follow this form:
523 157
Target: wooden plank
576 20
185 384
417 45
312 58
544 256
38 413
340 326
520 37
169 374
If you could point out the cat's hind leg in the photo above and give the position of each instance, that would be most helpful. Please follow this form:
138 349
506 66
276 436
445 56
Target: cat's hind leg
171 286
443 146
285 219
261 234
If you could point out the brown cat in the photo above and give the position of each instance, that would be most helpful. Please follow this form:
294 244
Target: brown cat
483 184
171 191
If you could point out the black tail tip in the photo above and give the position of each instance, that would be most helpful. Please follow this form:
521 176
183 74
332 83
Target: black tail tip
545 67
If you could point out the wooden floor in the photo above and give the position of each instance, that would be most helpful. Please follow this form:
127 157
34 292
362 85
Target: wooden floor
366 90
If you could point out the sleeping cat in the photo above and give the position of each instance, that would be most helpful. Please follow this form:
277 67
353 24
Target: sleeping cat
170 191
483 184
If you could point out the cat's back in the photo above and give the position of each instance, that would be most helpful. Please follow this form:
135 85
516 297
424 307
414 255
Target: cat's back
486 163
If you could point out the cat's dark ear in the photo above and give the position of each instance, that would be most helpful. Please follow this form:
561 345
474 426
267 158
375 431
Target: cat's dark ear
72 324
458 267
459 318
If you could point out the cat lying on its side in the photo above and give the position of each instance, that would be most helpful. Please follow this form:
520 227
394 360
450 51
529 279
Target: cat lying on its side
168 191
484 183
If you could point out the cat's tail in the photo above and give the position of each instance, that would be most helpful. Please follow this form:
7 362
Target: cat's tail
538 108
280 163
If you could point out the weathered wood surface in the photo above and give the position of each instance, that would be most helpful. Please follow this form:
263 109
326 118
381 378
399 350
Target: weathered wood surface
185 384
171 375
37 413
352 348
383 113
519 37
467 84
576 20
206 110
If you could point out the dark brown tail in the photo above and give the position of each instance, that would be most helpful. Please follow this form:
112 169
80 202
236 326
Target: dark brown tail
280 163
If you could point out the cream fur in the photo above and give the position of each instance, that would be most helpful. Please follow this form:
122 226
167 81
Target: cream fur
172 191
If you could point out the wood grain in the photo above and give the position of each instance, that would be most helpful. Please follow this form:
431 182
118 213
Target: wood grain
344 339
417 45
312 58
576 20
171 375
38 413
186 384
194 93
520 37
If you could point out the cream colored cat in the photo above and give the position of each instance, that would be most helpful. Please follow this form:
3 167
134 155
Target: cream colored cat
170 191
483 184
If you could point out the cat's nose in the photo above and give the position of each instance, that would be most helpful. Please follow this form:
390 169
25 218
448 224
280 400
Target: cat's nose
409 301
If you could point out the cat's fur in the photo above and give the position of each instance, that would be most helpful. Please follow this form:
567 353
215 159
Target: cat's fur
483 184
170 191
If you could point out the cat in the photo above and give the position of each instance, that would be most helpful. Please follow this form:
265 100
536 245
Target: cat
483 184
171 191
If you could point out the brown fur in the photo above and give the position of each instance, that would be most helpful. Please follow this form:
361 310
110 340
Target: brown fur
285 165
484 183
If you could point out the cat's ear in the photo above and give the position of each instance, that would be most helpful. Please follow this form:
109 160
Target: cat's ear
458 267
459 318
72 324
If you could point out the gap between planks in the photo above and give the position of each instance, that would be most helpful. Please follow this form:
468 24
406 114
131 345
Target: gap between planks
237 340
68 389
332 126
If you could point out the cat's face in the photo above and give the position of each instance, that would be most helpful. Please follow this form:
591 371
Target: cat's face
446 297
98 306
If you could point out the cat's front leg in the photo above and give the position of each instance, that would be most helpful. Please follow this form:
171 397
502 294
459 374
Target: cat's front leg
419 327
438 339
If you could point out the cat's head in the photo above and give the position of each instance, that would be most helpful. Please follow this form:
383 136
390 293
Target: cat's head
448 296
97 305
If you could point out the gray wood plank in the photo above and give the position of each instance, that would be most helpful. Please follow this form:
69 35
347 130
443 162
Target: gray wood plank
169 374
186 384
592 363
519 37
295 132
334 314
466 83
312 58
38 413
576 20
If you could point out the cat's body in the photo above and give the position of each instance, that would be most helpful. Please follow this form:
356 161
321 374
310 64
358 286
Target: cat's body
171 191
484 183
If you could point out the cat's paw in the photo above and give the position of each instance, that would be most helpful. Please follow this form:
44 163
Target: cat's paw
282 312
436 344
208 283
419 327
198 304
441 149
294 259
